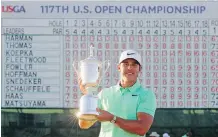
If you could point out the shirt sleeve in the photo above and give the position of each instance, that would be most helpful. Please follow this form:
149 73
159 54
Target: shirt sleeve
147 103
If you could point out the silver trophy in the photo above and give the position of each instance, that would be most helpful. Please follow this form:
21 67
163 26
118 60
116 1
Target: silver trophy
90 72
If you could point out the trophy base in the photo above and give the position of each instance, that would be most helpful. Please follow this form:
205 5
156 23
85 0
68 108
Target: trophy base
83 124
87 117
87 120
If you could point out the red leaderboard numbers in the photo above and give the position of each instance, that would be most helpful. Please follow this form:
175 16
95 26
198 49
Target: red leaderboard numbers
179 54
67 64
179 57
213 67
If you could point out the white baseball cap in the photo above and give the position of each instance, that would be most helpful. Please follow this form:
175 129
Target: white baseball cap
130 54
154 134
166 135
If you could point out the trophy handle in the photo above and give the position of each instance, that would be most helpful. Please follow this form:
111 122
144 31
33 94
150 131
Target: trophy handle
108 65
75 66
103 65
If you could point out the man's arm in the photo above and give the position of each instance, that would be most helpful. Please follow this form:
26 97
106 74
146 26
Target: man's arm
145 114
139 127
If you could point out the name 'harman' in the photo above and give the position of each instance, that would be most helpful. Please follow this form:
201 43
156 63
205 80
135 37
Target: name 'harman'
18 38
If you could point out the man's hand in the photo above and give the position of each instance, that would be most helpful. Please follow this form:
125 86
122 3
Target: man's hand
139 126
81 87
104 115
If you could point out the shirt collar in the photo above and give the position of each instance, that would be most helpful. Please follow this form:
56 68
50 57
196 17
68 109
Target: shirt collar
131 89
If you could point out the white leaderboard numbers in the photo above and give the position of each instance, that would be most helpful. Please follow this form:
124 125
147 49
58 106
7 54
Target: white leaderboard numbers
178 44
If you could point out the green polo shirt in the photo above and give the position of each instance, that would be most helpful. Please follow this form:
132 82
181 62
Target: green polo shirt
125 103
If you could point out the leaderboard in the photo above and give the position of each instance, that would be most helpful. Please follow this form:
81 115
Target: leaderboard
178 43
31 66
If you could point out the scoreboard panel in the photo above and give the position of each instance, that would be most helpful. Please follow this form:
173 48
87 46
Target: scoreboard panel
178 42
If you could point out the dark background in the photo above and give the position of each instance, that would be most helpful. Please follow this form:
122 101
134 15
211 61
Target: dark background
62 123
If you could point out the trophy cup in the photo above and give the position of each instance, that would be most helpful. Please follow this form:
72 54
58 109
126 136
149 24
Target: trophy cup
90 72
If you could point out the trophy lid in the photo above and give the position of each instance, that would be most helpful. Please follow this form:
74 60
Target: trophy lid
92 58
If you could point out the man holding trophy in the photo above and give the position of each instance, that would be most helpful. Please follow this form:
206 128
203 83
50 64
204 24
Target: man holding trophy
126 109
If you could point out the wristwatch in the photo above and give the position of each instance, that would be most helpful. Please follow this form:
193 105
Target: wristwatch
114 119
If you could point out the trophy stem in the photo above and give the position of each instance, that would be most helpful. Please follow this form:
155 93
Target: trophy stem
91 90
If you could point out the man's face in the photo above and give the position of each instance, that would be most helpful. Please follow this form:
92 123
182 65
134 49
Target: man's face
129 70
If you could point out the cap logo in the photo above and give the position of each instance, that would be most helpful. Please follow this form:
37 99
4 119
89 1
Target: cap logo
130 53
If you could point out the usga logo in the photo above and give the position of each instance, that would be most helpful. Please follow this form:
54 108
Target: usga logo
16 9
